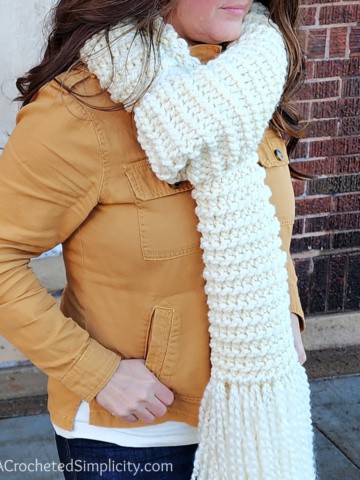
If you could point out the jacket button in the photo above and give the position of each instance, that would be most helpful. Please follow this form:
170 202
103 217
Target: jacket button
279 155
175 185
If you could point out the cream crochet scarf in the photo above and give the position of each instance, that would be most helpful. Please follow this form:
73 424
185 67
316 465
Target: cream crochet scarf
204 123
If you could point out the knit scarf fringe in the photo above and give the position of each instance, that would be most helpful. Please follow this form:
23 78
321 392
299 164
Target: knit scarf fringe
255 431
204 123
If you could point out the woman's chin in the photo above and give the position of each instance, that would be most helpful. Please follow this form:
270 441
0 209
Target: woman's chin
222 37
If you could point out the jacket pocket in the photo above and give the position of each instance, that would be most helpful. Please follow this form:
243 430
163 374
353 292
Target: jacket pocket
166 214
162 347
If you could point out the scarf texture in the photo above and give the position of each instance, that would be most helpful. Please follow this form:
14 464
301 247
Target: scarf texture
204 123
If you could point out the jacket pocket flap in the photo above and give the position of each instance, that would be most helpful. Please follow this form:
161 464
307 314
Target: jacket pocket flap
160 351
272 152
146 186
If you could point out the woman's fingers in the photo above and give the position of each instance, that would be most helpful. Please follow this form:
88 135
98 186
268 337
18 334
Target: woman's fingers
164 394
129 418
157 408
133 392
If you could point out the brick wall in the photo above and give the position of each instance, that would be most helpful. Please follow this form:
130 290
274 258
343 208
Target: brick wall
326 242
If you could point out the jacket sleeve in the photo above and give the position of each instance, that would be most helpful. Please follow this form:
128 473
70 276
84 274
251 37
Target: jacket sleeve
51 175
295 303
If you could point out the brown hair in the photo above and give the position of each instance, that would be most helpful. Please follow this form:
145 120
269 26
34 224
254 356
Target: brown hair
75 21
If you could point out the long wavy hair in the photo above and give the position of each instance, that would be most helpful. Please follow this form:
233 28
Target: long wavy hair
75 21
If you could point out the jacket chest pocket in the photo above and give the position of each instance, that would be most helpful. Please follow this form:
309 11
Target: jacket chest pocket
166 214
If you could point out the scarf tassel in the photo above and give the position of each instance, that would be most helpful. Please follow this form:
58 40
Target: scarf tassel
256 431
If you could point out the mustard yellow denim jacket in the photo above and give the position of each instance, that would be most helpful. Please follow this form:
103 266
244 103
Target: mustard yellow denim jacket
75 175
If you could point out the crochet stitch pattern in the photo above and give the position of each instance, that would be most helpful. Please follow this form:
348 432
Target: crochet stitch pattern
204 123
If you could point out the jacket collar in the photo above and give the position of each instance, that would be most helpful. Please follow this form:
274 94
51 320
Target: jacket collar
205 52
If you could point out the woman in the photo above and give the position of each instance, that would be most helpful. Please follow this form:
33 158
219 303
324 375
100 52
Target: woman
126 121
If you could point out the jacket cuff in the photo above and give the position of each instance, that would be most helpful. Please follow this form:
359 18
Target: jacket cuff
295 307
92 371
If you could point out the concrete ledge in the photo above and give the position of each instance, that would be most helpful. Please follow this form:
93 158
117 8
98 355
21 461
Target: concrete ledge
18 407
24 381
22 391
332 331
333 362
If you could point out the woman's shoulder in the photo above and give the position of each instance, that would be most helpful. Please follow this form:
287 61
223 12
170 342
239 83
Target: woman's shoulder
75 99
74 93
83 86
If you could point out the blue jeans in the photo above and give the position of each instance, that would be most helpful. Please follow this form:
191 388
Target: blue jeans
93 460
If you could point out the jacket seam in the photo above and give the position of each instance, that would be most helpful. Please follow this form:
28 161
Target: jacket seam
104 154
105 171
83 276
74 369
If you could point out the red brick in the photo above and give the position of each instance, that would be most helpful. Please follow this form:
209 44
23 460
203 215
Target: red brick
336 283
322 128
352 298
334 185
338 222
317 224
301 150
344 221
307 16
336 14
317 167
349 107
298 228
309 70
324 109
316 43
351 87
329 165
321 89
345 239
343 107
299 187
338 146
337 47
347 203
304 267
319 284
313 2
349 126
303 108
337 68
349 164
305 244
303 36
313 205
355 41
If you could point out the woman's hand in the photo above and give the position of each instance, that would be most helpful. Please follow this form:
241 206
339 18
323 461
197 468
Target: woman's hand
133 392
297 338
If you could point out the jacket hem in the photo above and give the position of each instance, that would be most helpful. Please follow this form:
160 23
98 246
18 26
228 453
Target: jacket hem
181 410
